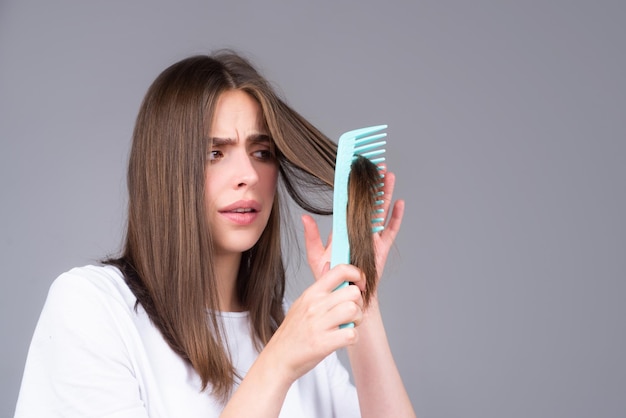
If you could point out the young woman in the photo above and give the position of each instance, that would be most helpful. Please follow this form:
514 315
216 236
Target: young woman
190 320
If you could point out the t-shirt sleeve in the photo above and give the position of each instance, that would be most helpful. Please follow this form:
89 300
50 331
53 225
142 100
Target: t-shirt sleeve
78 364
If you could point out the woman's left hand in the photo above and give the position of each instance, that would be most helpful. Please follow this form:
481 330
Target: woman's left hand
318 254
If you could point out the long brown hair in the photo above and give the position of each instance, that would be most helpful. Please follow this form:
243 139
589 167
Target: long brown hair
166 259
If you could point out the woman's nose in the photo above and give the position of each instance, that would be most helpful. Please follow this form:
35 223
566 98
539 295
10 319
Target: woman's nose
245 172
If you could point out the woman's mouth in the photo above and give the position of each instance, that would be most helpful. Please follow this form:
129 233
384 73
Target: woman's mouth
243 210
241 213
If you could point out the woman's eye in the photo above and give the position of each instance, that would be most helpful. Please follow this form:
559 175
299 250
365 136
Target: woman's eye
215 155
263 154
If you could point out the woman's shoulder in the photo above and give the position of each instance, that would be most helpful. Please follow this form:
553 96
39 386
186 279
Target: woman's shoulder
102 284
87 303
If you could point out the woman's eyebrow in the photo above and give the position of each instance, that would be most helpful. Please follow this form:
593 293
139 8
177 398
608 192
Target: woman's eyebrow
259 138
254 138
215 141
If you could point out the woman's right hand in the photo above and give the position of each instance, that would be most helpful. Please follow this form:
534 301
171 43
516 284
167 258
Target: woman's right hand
308 334
310 330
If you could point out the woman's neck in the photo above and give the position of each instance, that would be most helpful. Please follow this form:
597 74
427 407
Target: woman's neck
226 270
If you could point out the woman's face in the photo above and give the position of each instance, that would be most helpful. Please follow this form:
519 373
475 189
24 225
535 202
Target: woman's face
241 173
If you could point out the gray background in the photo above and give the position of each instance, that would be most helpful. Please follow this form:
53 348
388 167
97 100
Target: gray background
505 295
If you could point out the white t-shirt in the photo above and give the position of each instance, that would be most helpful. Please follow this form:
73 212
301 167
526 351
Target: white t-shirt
93 355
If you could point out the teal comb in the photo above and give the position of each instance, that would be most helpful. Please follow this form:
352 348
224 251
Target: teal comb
366 143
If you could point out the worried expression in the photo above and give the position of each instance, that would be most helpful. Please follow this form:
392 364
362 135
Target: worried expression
241 173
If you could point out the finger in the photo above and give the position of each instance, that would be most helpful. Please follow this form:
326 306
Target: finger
326 267
388 235
313 244
349 294
343 337
345 313
340 274
342 306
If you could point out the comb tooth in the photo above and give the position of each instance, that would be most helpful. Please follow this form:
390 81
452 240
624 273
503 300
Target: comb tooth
379 202
369 153
373 153
377 229
366 146
366 139
379 194
378 220
377 211
360 133
377 160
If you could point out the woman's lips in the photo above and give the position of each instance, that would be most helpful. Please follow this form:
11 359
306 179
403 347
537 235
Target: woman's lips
243 212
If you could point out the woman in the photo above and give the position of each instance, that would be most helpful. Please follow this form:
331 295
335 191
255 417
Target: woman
190 319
